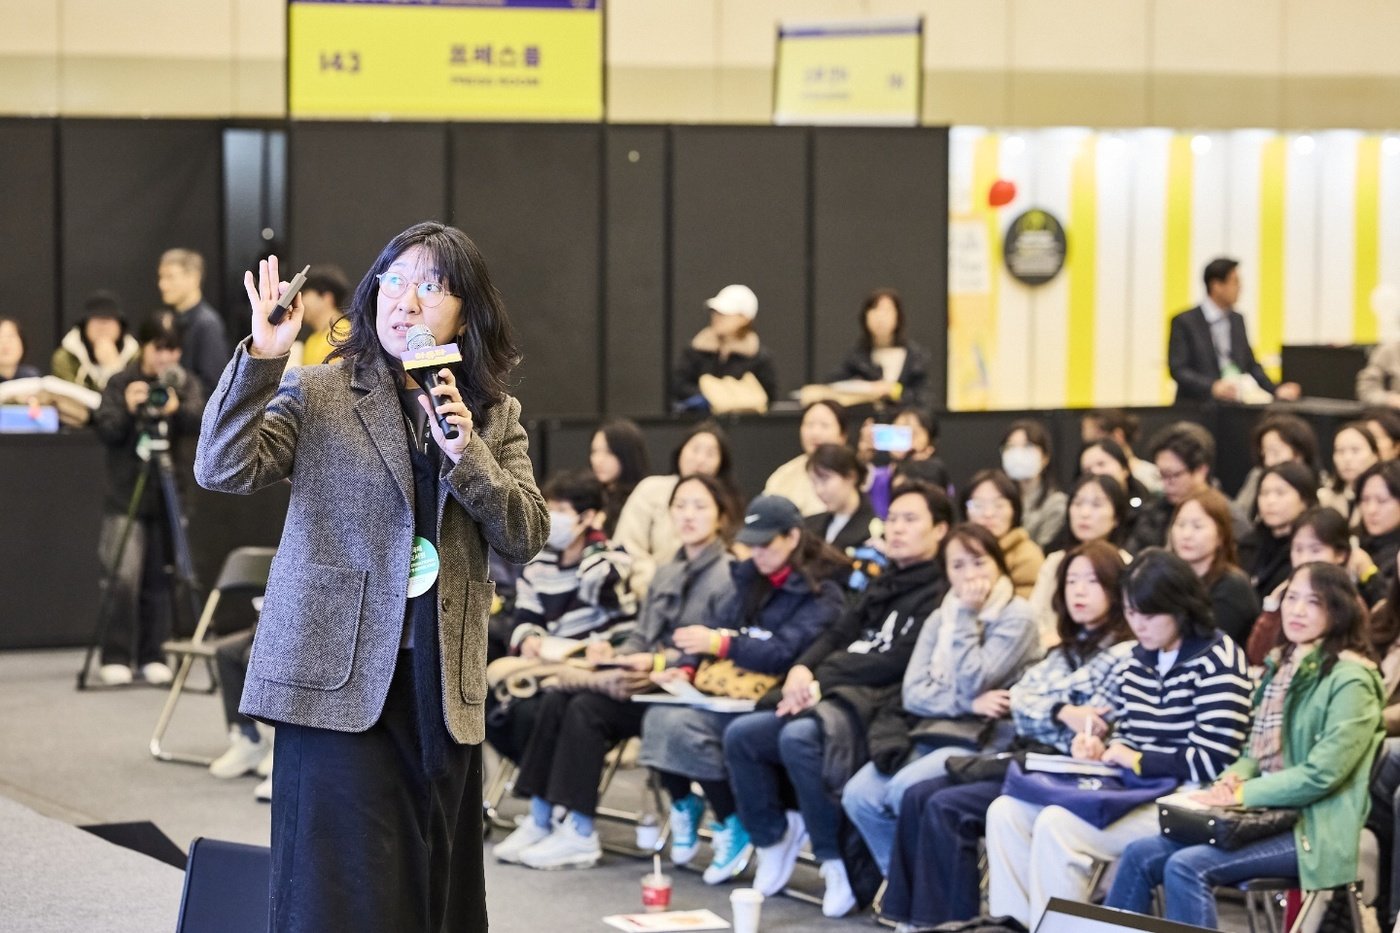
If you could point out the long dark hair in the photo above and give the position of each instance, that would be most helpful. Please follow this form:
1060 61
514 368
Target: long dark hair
1296 433
871 301
1117 497
1339 484
1158 582
725 473
626 443
1388 471
1078 643
728 513
489 352
1217 508
1347 617
1005 487
978 540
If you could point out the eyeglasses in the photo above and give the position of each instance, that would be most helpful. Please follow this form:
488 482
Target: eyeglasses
987 506
393 285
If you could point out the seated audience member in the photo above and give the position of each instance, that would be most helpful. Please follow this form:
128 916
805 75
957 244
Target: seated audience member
994 503
576 588
12 364
1277 438
1203 535
1316 728
1378 383
579 723
1286 491
1097 506
248 749
1321 534
1185 455
203 338
1384 425
896 368
618 457
847 521
1182 712
97 347
887 468
829 698
139 585
783 597
933 871
323 322
822 423
728 347
1105 458
1384 818
1122 427
644 526
1354 451
1379 505
1026 457
967 657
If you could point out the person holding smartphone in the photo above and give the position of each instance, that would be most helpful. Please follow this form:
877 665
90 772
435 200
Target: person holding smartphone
370 654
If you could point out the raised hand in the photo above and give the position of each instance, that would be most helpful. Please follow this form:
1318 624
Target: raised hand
263 293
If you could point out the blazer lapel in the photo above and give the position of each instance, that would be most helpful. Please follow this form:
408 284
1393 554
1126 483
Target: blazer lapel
379 411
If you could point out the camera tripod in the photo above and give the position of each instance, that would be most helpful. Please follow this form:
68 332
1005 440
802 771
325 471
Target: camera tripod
184 585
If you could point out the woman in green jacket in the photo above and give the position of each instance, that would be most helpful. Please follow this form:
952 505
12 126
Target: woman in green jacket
1317 725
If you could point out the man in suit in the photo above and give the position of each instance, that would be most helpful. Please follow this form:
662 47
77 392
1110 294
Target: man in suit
1209 346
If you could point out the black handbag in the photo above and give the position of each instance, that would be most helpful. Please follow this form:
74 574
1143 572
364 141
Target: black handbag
992 766
970 732
1226 828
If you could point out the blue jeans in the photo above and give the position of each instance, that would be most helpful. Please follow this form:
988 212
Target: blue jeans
760 749
1189 873
872 799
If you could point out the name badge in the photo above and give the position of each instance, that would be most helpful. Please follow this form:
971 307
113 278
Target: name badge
422 567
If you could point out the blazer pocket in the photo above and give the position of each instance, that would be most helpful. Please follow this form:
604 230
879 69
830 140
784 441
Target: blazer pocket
472 658
310 626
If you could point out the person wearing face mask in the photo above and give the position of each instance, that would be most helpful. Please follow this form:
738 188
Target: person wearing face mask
812 732
1026 458
1354 451
728 347
580 721
370 651
1097 505
933 870
97 347
823 422
124 422
1203 536
644 526
1286 491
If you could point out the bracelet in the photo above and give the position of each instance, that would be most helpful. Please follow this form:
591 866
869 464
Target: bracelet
658 662
716 643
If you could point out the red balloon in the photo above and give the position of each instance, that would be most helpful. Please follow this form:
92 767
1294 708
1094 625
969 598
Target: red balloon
1001 193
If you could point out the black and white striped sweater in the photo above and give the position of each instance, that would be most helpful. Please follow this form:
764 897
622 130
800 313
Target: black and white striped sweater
1191 722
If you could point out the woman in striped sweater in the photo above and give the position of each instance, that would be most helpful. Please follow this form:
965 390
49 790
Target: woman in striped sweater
1182 711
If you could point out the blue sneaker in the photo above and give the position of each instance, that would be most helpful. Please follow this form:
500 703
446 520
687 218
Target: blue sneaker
685 828
732 850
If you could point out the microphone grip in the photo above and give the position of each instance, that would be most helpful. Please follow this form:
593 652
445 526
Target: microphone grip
428 378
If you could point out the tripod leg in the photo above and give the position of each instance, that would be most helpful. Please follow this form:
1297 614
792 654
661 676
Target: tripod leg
179 539
104 609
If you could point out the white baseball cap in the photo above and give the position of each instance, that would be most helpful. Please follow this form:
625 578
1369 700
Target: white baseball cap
735 299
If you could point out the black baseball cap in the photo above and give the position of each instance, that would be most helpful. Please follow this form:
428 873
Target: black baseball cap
766 518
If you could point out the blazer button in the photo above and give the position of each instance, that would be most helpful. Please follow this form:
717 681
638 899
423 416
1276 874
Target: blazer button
445 603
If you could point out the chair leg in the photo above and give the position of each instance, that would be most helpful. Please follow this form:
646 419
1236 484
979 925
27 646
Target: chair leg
1353 896
167 713
1308 901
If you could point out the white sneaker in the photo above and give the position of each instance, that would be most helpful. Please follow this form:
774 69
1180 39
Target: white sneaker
525 835
565 848
263 792
157 673
264 768
242 756
114 675
776 862
839 899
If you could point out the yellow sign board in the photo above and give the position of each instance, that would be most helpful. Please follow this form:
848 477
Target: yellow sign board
446 59
863 72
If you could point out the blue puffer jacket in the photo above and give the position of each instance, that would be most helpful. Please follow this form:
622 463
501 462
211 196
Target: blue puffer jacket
781 624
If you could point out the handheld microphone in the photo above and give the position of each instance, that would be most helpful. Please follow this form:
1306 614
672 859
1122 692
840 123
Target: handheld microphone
423 359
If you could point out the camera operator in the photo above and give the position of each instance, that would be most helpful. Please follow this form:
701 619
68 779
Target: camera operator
149 402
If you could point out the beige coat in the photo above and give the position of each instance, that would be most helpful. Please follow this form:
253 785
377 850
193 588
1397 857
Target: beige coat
792 481
1023 560
644 528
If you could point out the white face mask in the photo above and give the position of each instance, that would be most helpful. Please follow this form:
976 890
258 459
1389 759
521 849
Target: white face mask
561 530
1021 463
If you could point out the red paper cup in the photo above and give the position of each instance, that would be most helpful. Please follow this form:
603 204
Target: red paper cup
656 892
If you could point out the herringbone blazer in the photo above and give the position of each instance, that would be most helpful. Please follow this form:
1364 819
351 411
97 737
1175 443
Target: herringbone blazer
333 615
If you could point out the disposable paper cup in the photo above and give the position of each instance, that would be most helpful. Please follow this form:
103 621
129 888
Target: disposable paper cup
746 903
656 892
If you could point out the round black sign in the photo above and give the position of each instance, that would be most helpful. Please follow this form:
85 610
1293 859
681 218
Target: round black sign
1035 247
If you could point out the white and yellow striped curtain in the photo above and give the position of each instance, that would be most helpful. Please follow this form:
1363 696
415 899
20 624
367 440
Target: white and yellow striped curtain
1314 220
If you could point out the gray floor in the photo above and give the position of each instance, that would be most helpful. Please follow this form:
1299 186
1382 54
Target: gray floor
82 758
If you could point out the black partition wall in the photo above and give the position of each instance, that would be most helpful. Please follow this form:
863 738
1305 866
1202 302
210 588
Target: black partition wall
604 240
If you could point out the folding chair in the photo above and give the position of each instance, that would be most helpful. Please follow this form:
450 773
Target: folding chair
245 570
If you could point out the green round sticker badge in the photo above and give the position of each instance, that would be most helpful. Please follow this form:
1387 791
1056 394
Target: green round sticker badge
422 567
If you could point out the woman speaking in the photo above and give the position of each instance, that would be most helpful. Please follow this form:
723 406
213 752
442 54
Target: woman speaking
370 655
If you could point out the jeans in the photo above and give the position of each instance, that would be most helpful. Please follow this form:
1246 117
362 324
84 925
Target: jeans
1188 874
761 749
872 799
139 590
